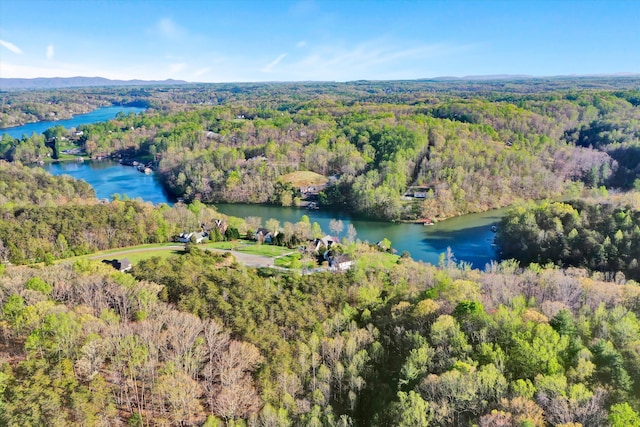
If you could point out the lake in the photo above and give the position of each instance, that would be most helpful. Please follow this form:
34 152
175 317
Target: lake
470 236
99 115
108 178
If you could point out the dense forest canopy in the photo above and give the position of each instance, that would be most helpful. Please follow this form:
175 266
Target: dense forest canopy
197 339
460 147
597 236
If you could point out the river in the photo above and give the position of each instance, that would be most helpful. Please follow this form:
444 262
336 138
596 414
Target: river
99 115
469 237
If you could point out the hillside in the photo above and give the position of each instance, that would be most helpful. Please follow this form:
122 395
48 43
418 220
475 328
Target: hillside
77 82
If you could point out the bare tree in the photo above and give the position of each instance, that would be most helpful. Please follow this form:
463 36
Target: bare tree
351 233
336 226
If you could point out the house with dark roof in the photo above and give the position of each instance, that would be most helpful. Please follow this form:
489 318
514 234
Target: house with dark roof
122 265
263 235
326 242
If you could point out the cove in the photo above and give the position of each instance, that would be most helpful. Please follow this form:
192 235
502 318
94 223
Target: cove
469 236
108 178
99 115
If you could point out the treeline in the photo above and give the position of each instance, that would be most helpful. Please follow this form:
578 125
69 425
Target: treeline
410 345
598 236
42 234
21 186
18 108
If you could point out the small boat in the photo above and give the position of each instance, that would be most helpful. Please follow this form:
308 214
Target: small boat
494 228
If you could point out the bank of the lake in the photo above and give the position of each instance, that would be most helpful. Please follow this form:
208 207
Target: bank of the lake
469 236
108 177
99 115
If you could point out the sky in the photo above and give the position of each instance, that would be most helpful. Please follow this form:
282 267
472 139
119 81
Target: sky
316 40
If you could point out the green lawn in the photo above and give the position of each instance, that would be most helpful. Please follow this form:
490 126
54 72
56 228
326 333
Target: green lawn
136 257
377 260
293 261
133 248
249 248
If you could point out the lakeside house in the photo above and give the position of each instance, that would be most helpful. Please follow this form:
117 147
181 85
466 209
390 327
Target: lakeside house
264 236
326 242
185 237
340 262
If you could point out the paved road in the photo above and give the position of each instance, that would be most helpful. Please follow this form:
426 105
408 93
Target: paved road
246 259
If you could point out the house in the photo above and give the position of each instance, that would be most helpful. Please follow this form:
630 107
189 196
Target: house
185 237
122 265
221 225
326 241
263 235
340 262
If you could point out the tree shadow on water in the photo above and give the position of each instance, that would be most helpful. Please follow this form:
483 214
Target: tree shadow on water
473 245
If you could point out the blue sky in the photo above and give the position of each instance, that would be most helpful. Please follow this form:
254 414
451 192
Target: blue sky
272 40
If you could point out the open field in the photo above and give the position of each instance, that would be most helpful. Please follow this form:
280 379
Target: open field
248 248
304 178
377 260
247 253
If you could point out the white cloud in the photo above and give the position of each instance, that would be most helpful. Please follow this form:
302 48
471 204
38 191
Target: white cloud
50 52
201 72
301 43
177 67
12 47
267 68
373 59
169 29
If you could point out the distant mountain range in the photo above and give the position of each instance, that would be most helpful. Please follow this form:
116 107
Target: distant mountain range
68 82
71 82
528 77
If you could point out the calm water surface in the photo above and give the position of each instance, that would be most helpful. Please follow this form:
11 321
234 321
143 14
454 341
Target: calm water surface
100 115
470 236
108 178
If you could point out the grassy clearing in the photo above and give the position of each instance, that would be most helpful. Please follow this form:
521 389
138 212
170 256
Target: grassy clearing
149 249
227 246
136 257
304 178
288 261
293 261
248 248
133 248
377 259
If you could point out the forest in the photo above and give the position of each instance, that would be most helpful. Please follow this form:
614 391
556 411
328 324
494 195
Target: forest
394 151
196 339
548 336
600 237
